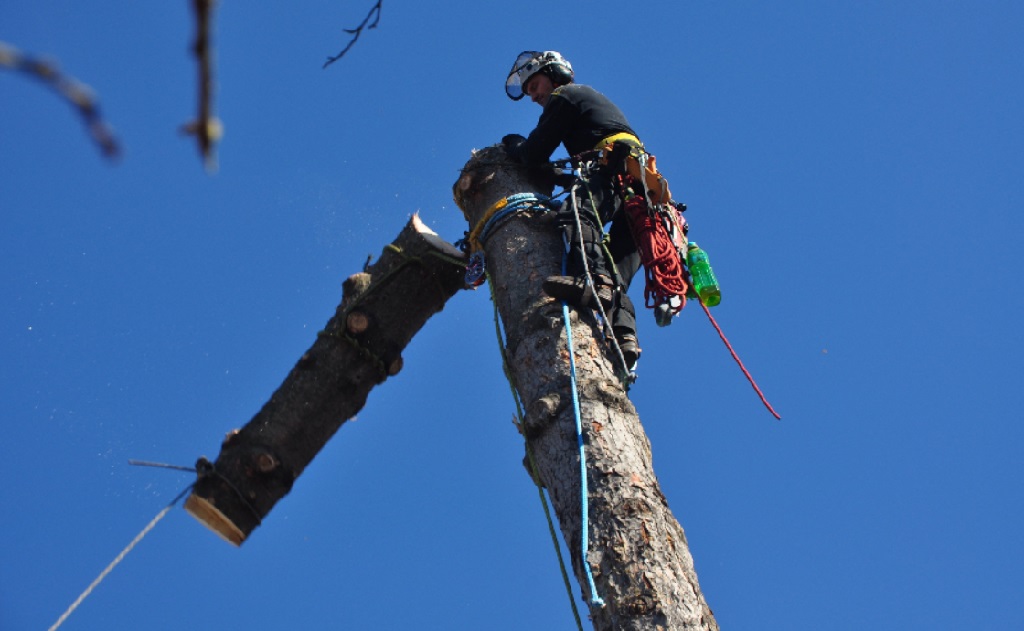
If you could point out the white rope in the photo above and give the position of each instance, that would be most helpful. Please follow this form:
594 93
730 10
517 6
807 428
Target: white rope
120 557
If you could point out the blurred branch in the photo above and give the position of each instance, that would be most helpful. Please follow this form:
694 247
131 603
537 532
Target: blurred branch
206 128
79 95
356 32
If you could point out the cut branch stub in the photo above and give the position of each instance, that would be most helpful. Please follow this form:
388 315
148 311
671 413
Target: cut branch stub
381 309
357 322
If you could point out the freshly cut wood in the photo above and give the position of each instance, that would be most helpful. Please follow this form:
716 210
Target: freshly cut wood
381 309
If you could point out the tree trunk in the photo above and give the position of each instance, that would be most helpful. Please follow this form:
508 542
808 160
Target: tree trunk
638 553
381 309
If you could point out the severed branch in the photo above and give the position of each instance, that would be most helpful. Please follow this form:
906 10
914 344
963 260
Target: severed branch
79 95
206 128
382 308
356 32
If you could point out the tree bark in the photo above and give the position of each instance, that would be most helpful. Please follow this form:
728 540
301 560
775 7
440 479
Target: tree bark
638 553
380 311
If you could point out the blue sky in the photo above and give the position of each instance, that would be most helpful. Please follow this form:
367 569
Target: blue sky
853 169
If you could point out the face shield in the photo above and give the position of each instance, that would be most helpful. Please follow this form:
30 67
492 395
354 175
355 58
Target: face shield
527 64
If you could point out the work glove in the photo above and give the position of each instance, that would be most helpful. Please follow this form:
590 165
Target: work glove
512 142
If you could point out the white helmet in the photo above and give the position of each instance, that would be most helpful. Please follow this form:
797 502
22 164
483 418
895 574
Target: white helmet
529 63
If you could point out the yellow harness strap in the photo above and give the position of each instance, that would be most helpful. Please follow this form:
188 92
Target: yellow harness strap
639 164
474 235
621 136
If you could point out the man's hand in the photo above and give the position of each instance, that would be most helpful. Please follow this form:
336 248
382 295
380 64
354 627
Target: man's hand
512 141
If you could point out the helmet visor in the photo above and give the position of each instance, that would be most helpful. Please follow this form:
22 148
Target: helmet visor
524 68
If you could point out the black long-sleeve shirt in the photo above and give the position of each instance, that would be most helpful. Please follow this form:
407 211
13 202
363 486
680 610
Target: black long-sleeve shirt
577 116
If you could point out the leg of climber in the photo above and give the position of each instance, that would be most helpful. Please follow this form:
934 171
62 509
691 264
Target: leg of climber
573 287
584 242
624 254
597 204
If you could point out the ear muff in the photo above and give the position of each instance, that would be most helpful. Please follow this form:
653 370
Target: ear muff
558 73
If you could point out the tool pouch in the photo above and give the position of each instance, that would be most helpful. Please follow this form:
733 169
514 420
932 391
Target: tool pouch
626 158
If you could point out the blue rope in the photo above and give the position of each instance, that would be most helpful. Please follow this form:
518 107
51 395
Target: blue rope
530 201
476 267
520 419
515 203
584 493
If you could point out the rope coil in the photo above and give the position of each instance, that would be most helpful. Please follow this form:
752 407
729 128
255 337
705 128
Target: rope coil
492 219
663 269
500 211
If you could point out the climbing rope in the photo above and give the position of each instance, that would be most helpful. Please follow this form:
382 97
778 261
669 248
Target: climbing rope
474 242
739 362
595 599
502 210
520 420
499 212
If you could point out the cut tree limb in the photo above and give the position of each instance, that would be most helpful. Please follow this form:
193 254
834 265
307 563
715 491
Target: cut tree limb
382 308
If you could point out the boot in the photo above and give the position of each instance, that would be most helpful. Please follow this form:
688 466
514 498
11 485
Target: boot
630 348
576 291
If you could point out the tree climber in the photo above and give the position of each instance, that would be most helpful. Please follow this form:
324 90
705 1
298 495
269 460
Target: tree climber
584 120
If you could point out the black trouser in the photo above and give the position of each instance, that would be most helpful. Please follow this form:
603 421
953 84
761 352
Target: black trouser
598 206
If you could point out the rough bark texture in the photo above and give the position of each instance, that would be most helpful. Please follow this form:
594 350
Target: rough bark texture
381 309
638 555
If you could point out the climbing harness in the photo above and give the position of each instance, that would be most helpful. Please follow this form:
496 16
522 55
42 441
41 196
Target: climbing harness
626 152
656 221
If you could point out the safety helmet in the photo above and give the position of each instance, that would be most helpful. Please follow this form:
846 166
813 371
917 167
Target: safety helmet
529 63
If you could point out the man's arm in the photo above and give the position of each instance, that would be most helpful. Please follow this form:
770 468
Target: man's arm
552 129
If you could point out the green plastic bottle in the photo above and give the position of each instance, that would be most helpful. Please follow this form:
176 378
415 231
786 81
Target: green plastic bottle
704 282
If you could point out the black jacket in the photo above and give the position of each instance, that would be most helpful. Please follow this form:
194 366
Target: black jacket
577 116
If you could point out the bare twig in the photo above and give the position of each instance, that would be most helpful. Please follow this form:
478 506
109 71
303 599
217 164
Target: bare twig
206 128
79 95
356 32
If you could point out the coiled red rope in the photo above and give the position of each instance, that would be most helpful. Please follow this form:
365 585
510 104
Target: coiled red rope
664 275
663 271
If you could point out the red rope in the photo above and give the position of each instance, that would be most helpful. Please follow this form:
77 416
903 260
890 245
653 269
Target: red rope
663 271
738 362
